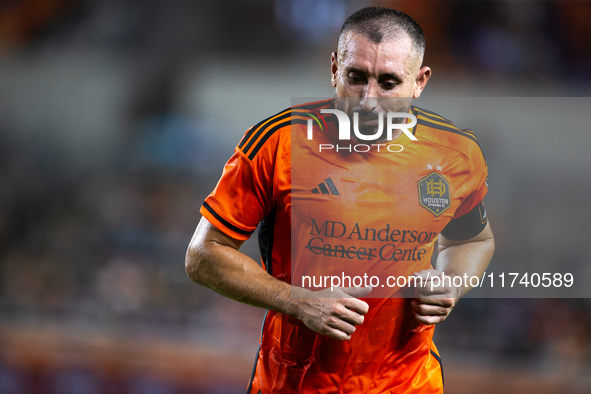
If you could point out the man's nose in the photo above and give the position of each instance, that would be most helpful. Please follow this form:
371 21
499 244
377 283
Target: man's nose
369 100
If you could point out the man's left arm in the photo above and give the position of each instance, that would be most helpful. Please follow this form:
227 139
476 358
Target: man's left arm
464 258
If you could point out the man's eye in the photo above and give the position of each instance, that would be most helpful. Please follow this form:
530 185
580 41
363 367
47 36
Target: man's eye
388 85
354 79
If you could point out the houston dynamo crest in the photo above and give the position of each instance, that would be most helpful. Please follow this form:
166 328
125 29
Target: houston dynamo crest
434 193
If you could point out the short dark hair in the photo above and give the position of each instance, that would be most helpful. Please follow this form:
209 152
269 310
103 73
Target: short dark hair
379 24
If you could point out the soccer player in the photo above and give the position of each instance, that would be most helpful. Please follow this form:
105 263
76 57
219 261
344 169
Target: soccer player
389 208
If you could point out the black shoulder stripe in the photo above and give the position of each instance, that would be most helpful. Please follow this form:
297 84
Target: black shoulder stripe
224 221
270 132
450 129
327 117
435 119
261 129
432 115
255 127
264 127
468 131
327 104
261 123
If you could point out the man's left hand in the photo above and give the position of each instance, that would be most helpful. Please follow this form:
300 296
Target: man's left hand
435 299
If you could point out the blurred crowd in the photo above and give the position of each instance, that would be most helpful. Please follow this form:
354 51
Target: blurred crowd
538 40
100 248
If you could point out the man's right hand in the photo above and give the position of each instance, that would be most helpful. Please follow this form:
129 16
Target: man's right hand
333 313
214 260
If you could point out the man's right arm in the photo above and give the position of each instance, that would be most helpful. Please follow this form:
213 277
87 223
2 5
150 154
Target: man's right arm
214 261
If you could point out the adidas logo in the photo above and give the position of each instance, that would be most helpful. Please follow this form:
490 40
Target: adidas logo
326 187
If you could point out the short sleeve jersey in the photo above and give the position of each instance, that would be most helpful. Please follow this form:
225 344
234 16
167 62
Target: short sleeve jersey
328 207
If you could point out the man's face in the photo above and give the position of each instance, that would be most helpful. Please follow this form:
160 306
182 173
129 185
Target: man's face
371 78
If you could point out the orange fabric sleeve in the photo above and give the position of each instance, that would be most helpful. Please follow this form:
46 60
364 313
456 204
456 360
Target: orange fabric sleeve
243 195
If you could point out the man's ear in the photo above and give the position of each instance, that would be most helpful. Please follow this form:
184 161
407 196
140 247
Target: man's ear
421 81
334 67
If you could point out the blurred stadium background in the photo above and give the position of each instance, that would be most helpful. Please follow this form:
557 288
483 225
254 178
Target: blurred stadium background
116 117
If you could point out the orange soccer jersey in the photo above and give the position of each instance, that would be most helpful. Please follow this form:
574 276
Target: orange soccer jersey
348 212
